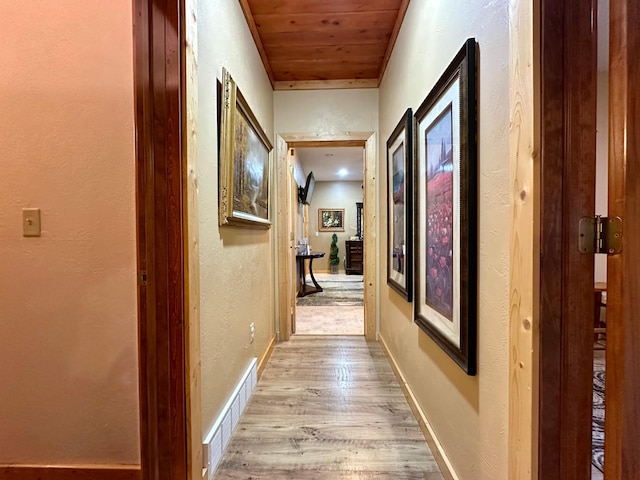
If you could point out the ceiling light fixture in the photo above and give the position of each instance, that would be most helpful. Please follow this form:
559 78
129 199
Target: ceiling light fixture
343 172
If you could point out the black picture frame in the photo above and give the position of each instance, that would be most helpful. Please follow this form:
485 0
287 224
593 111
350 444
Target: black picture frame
400 153
446 219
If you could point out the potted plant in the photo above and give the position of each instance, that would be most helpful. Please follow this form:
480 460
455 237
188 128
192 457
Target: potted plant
334 261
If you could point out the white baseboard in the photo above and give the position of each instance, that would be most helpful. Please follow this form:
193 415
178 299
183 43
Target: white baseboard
218 438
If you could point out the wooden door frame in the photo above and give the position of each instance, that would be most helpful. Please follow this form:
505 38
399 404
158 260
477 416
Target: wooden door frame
568 74
366 140
622 426
292 185
159 86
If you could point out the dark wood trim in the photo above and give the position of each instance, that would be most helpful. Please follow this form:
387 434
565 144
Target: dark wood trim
622 426
76 472
567 176
159 166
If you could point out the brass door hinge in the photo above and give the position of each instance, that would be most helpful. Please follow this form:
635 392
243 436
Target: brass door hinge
600 235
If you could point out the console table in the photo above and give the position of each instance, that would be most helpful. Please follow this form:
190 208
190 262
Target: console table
303 288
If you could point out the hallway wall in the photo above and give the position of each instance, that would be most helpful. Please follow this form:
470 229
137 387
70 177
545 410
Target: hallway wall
68 315
237 284
325 112
468 414
333 195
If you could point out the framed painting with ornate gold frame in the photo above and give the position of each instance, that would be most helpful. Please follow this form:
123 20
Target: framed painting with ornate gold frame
244 162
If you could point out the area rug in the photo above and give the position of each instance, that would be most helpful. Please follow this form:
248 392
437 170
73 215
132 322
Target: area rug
597 420
329 320
338 291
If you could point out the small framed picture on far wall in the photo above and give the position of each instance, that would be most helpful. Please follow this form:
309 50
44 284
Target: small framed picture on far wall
331 219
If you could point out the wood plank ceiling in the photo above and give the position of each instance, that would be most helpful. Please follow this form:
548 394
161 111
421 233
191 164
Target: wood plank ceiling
314 44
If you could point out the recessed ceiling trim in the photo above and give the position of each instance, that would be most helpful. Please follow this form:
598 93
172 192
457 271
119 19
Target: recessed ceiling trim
326 84
246 10
392 41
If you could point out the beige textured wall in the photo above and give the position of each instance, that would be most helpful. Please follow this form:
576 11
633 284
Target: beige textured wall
68 365
469 414
326 111
236 264
333 195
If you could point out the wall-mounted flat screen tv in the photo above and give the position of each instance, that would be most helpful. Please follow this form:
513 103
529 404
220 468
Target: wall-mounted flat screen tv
305 193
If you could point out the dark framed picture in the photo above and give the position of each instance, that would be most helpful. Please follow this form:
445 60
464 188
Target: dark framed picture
244 162
400 207
331 219
446 211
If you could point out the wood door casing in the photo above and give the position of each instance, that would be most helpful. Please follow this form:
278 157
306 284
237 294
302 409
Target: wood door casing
622 422
293 206
567 193
368 141
158 85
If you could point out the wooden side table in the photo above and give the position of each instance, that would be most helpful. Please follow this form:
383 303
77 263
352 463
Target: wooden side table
303 288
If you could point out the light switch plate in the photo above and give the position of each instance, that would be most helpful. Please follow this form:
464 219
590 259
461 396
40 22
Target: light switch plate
30 222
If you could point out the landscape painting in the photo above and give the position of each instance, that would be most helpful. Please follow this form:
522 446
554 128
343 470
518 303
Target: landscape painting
251 172
244 161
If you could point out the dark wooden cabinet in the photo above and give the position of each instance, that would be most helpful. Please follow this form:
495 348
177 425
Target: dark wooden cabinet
355 257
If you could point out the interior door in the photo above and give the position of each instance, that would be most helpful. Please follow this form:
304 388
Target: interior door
622 421
567 193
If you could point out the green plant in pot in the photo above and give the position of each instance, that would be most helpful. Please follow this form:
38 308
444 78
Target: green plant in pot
334 260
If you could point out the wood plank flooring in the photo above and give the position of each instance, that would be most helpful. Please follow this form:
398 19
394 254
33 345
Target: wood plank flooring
328 408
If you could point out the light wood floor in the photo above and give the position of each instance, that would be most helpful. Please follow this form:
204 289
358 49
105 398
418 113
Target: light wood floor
328 408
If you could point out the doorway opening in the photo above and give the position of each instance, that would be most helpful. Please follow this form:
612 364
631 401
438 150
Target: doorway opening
310 224
327 228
